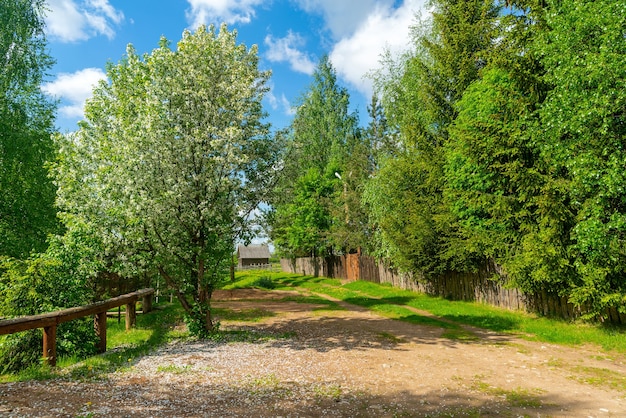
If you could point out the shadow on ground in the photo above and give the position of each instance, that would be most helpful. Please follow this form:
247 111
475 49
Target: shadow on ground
280 398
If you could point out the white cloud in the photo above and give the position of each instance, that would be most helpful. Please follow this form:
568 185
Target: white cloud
218 11
286 49
74 89
386 28
343 17
72 21
280 103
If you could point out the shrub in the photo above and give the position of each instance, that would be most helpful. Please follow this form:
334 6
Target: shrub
45 282
265 282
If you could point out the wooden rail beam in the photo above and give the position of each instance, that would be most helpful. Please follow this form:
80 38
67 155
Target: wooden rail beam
50 321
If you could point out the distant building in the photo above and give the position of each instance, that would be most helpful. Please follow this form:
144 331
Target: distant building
253 256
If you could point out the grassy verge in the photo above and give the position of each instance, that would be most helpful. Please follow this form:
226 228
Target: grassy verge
395 303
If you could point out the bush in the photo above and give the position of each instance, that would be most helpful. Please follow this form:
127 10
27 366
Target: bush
74 339
43 283
196 322
264 282
18 351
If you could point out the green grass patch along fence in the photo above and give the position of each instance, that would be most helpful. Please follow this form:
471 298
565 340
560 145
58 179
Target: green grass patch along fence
404 305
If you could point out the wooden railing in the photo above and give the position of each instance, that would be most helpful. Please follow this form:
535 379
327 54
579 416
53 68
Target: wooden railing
50 321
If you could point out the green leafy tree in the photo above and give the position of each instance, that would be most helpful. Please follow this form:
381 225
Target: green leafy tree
584 128
319 147
498 182
31 281
420 95
302 224
27 213
401 200
351 230
170 161
380 138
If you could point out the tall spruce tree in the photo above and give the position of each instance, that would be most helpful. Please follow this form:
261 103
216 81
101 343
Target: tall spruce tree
417 232
304 219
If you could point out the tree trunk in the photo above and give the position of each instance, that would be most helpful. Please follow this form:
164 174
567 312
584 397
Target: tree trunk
204 296
179 295
209 320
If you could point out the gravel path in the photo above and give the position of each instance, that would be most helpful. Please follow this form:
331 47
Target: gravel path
305 362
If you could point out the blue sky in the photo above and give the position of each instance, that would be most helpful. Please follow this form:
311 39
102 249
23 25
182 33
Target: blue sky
83 35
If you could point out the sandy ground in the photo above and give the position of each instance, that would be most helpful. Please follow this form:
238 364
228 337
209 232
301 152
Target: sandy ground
308 362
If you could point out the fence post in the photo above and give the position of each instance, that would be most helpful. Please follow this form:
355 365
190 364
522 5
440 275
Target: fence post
131 315
50 345
146 303
100 325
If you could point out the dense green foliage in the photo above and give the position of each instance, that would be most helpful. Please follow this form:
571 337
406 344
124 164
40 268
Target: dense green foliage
56 279
316 207
499 138
27 212
512 126
415 228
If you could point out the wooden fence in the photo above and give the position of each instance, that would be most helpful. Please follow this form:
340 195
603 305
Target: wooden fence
50 321
487 285
109 285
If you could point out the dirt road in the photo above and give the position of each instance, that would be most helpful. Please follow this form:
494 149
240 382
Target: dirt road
303 360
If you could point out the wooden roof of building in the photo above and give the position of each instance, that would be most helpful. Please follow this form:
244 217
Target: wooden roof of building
253 251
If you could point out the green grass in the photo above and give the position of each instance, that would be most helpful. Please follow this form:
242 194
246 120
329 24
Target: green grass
328 390
173 369
397 303
600 377
501 320
256 279
124 347
325 304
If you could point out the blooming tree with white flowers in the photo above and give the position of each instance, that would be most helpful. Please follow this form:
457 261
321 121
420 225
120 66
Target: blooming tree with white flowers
170 160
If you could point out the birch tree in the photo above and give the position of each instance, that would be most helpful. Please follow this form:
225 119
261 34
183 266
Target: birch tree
27 213
171 158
